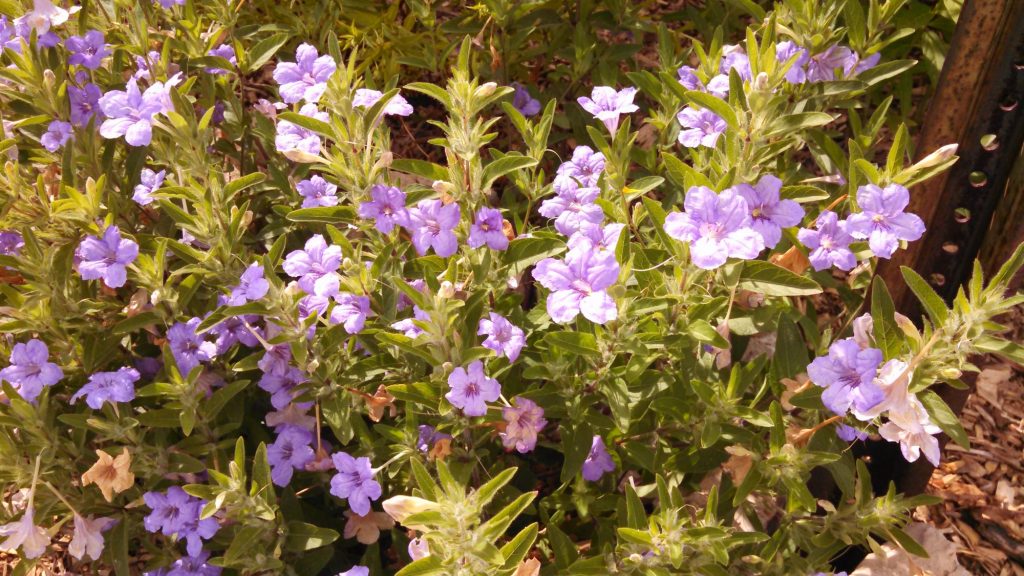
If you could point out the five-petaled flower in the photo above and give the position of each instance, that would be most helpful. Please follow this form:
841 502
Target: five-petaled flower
847 374
112 475
607 104
386 207
579 285
354 482
316 191
523 421
88 50
291 451
149 181
702 127
306 78
502 336
107 258
488 228
882 220
471 389
768 213
717 227
829 243
431 223
31 370
314 265
110 387
397 106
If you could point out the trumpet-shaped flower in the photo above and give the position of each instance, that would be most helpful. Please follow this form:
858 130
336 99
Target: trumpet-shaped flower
598 461
848 374
882 220
579 285
106 258
31 370
829 243
717 227
769 215
431 223
471 389
306 78
502 336
354 482
607 104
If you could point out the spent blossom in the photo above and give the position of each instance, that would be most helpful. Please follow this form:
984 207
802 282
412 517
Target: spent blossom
88 538
354 482
33 540
306 78
397 106
607 104
524 419
106 258
110 387
768 213
503 337
829 243
579 285
471 389
717 227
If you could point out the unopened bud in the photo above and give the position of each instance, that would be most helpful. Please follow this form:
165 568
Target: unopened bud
442 187
385 159
292 289
950 373
761 82
401 507
418 548
485 90
247 219
447 290
938 157
156 297
49 78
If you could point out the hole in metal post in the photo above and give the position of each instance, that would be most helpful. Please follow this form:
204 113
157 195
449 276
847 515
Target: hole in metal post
950 247
990 142
977 179
1008 105
937 279
962 215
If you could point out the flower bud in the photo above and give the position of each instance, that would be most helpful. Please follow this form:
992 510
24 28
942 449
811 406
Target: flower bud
49 78
401 507
447 290
950 373
156 297
937 157
761 82
292 289
442 187
485 90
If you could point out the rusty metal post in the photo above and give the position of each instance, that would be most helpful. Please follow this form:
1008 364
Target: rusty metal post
979 104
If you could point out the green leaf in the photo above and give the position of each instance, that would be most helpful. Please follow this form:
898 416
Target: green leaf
885 71
907 542
932 303
432 90
888 336
682 174
703 331
239 184
516 549
263 51
323 214
944 418
499 523
505 165
319 126
428 566
428 170
485 493
523 252
715 104
303 537
574 342
565 550
791 123
771 280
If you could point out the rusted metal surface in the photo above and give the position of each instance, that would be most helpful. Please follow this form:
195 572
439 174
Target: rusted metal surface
979 104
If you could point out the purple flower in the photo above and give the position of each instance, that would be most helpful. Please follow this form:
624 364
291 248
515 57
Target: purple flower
225 51
397 106
168 4
719 86
689 79
253 286
768 213
717 227
471 389
733 57
11 243
108 387
317 192
314 265
43 15
281 385
607 104
176 514
194 564
306 78
702 127
9 38
189 349
849 433
57 135
882 219
502 336
822 67
298 143
85 102
488 228
522 101
572 206
141 62
130 113
354 482
31 370
408 327
88 50
855 64
829 244
149 181
578 285
386 207
290 451
786 50
847 374
350 311
358 570
233 330
523 421
106 258
427 436
431 224
592 236
585 167
598 461
33 540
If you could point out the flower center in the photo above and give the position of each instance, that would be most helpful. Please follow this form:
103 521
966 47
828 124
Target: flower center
581 286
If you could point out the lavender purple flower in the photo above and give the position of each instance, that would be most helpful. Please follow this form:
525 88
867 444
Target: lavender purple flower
427 436
522 101
733 57
702 127
110 387
386 207
253 286
797 73
291 451
408 327
350 311
847 374
505 338
471 389
188 348
768 213
607 104
57 135
822 66
882 219
689 79
31 370
106 258
354 482
829 243
585 166
313 265
85 102
88 50
149 181
598 461
397 106
523 421
592 236
280 384
176 514
11 243
131 113
298 143
488 228
306 78
717 227
431 224
194 564
579 285
572 206
317 192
